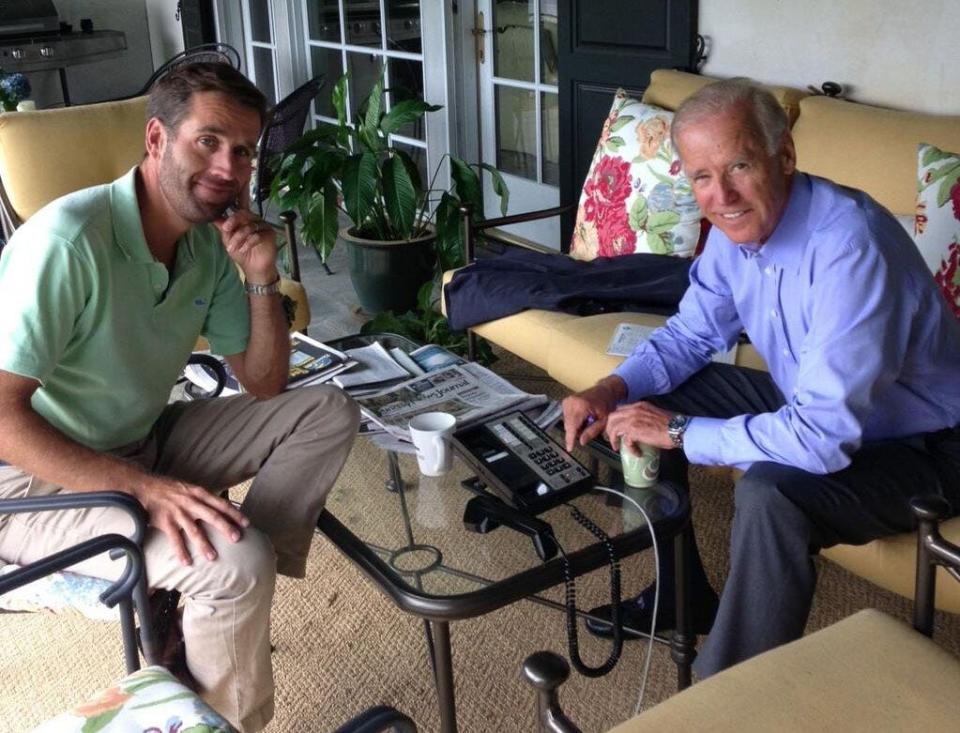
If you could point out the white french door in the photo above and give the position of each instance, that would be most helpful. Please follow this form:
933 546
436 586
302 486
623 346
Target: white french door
286 42
519 114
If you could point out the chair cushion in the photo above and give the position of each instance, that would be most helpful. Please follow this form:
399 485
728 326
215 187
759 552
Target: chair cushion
86 145
891 563
149 699
635 197
938 218
668 88
869 148
526 334
867 672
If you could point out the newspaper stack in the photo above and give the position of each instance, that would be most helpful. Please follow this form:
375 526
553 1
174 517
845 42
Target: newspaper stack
468 391
311 362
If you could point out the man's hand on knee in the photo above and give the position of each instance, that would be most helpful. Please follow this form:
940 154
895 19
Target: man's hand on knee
181 511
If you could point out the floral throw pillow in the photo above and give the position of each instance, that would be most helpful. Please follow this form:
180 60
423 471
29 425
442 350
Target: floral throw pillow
938 218
635 199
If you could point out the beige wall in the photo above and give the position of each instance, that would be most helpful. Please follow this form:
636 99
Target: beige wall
887 52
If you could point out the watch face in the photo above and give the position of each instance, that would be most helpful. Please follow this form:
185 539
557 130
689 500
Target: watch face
678 422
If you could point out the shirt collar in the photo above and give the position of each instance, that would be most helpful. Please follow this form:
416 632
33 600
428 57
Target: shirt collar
128 226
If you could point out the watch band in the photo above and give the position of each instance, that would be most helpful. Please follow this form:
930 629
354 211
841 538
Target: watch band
257 289
676 427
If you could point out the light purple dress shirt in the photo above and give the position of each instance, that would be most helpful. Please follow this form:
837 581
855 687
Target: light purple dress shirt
841 306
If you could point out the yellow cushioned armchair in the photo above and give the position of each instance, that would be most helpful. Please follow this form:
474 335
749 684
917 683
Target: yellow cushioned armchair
45 154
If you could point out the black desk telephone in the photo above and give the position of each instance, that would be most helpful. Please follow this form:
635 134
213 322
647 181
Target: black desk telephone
521 464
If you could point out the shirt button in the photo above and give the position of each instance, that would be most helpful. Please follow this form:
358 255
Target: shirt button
774 313
768 270
786 351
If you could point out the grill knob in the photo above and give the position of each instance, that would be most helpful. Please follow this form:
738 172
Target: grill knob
358 27
47 52
376 27
17 53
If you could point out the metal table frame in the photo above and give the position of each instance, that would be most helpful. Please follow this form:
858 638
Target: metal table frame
438 611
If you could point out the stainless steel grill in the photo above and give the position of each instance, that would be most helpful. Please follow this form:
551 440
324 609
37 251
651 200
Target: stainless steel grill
30 40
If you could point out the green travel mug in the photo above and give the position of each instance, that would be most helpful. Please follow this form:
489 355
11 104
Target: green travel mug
640 470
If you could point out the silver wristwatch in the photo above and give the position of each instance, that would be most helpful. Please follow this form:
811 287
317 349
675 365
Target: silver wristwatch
676 427
268 289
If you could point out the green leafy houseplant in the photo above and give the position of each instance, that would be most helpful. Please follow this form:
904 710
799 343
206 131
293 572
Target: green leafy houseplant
427 325
354 170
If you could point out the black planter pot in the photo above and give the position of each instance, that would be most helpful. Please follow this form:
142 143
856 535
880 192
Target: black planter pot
387 275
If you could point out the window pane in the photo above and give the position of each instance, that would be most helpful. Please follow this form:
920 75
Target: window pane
323 20
548 44
327 62
403 26
363 23
263 71
513 39
364 69
406 82
550 135
260 20
516 132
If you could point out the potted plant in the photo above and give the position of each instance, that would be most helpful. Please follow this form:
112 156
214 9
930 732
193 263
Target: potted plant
402 230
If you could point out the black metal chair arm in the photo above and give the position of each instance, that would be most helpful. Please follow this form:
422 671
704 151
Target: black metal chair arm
88 500
114 543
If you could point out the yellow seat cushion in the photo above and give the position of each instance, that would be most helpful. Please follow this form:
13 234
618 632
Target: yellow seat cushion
870 148
86 145
526 334
868 672
891 563
668 88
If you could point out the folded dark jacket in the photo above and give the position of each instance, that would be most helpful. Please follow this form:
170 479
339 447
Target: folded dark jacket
519 279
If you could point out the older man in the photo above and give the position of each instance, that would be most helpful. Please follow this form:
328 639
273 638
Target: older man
860 409
103 293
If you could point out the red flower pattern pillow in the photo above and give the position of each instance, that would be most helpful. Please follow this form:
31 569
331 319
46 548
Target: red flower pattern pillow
938 219
635 198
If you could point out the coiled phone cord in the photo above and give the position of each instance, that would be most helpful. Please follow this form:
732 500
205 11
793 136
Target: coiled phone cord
570 597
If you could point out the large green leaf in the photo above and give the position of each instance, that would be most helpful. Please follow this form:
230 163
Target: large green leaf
413 170
320 222
621 122
405 112
399 196
449 243
499 187
370 127
359 184
466 183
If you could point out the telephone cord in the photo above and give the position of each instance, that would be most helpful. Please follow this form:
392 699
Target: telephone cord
656 592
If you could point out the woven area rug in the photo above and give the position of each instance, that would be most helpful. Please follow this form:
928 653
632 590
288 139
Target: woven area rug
342 646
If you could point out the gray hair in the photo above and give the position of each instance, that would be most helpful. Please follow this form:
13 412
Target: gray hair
722 96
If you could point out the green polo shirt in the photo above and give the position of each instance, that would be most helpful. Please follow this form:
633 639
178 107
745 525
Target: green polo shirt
88 312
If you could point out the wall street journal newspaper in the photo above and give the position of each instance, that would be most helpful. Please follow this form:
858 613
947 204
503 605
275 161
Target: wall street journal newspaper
469 391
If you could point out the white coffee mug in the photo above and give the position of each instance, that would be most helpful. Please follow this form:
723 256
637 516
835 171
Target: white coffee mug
430 433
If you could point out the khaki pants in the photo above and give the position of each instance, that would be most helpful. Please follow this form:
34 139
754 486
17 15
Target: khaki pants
295 445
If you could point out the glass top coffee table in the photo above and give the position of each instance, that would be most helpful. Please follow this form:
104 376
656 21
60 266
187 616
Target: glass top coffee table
406 533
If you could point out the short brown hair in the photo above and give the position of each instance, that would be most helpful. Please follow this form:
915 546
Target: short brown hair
171 95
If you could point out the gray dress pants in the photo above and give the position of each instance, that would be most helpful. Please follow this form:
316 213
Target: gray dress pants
294 445
783 515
